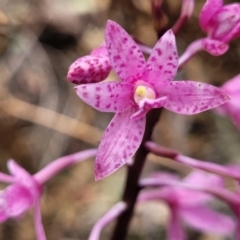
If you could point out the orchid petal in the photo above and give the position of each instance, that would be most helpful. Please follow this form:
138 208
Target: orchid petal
175 228
146 105
232 86
214 47
119 143
15 200
20 173
198 178
208 11
165 176
188 97
151 195
202 178
163 62
232 109
207 220
89 69
126 58
226 23
24 178
106 96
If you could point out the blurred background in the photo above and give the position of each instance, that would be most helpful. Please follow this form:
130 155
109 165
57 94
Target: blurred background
41 118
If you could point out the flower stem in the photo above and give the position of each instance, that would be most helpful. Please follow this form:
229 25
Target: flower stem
191 50
191 162
7 178
134 171
38 222
186 12
58 165
113 213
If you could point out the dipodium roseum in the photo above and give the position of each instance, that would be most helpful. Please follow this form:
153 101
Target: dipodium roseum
142 86
24 191
220 22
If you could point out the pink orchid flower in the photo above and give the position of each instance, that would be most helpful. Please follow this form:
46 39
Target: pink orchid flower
91 68
232 108
190 206
220 22
25 190
143 86
21 195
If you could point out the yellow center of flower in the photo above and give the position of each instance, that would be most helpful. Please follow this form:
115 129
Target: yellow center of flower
142 92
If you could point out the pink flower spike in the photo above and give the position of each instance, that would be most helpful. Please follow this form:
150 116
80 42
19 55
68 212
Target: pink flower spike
91 68
119 143
221 23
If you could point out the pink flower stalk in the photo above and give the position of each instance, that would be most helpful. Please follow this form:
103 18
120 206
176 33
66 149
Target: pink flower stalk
213 47
142 87
232 108
189 206
91 68
25 190
186 13
109 217
220 22
191 162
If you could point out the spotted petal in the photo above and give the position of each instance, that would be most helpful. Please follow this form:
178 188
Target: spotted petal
119 143
162 64
126 58
106 96
208 11
226 23
214 47
204 219
188 97
91 68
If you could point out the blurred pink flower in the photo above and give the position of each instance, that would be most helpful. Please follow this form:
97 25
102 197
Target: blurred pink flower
91 68
190 206
220 22
143 86
25 190
232 107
